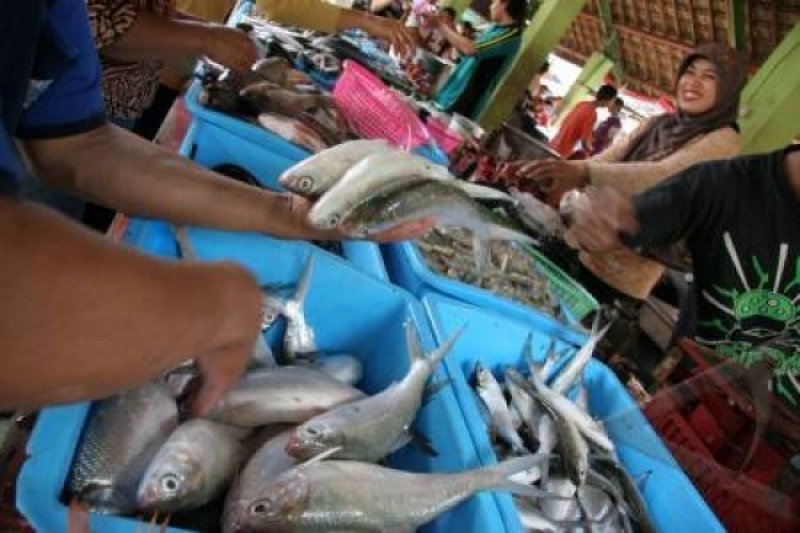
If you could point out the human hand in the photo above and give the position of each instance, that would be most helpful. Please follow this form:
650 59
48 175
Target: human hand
556 176
597 218
221 367
229 47
394 31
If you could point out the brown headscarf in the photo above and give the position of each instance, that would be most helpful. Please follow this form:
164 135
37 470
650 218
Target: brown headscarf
668 133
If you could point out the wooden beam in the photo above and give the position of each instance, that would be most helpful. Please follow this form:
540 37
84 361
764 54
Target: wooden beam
737 24
769 105
551 22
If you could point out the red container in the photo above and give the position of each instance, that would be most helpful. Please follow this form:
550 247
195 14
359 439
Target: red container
708 425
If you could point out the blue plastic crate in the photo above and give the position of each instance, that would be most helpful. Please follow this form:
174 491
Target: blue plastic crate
496 341
367 321
407 268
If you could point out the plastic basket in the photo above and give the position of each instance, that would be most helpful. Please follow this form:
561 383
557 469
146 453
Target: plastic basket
407 268
375 111
367 323
496 341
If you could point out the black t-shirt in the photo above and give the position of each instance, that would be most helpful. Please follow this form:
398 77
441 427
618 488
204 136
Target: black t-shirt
741 221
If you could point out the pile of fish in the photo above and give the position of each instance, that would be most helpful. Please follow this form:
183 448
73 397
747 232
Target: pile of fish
242 463
279 99
548 412
508 272
367 186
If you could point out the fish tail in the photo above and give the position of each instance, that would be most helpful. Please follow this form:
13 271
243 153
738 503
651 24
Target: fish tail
482 192
439 354
415 351
304 283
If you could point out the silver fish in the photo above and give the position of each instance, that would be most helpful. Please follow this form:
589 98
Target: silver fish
522 402
370 429
574 449
582 399
559 509
532 519
537 215
450 206
353 496
574 369
279 395
491 394
123 434
344 368
193 466
262 355
382 173
313 176
269 462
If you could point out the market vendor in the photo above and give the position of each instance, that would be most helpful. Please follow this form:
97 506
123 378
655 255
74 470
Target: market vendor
741 221
82 317
709 81
484 60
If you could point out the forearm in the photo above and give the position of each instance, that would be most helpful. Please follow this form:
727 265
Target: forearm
159 38
115 168
84 318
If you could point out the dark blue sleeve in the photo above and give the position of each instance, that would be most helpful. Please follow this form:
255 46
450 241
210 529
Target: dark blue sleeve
10 165
72 102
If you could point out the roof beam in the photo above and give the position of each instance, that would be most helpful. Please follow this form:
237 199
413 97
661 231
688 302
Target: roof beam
737 24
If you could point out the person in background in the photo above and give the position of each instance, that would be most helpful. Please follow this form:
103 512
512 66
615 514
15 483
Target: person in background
484 60
436 42
535 85
606 131
740 219
709 82
578 125
82 317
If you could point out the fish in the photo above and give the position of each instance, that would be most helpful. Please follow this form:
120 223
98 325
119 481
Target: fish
628 492
574 369
536 215
450 206
266 97
194 466
122 435
371 428
293 131
272 69
574 449
313 176
299 341
341 367
269 462
559 509
262 355
281 395
334 495
491 394
527 407
382 173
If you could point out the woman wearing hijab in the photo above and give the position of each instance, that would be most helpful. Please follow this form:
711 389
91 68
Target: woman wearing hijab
704 128
483 60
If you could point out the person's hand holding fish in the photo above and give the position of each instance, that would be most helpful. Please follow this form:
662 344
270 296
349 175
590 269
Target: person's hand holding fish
598 216
556 176
393 31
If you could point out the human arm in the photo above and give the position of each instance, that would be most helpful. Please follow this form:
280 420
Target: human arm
84 318
322 16
464 45
125 32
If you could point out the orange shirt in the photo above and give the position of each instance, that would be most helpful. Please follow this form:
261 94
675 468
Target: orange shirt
578 125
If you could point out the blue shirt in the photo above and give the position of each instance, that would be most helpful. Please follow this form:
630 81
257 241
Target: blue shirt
50 85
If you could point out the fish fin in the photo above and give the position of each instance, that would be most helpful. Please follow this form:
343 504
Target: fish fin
482 192
421 442
262 353
304 283
527 349
322 456
509 467
641 480
480 253
415 351
437 355
435 387
498 232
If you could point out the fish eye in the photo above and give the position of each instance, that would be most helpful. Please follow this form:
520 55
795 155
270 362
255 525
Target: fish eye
260 508
170 483
334 220
305 183
313 431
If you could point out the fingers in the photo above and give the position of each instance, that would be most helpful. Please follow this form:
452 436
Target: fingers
220 371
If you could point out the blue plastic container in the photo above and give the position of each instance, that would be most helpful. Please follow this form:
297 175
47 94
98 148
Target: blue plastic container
496 341
351 312
407 268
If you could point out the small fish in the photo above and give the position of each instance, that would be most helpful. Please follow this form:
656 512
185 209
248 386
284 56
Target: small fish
491 394
293 131
371 428
527 407
313 176
269 462
574 369
193 466
281 395
123 434
559 509
352 496
536 215
266 97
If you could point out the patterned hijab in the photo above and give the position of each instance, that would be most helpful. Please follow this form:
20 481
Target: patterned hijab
670 132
